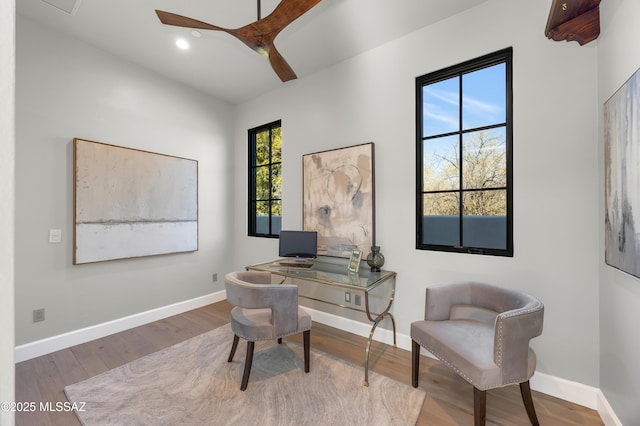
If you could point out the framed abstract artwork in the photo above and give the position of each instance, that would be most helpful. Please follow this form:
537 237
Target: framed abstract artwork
339 199
622 177
132 203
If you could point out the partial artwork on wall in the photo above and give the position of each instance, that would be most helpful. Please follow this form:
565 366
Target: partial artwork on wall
132 203
338 199
622 177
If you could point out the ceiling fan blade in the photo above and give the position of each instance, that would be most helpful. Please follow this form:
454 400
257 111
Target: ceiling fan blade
280 66
285 13
169 18
258 35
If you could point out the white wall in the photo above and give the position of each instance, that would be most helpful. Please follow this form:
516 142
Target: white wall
371 98
618 59
66 89
7 146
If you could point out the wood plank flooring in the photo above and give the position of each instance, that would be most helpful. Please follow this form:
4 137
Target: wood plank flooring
449 398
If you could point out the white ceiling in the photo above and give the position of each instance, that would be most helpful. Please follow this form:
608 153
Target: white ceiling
218 63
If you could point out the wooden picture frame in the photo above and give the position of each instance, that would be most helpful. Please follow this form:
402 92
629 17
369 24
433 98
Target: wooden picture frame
132 203
339 199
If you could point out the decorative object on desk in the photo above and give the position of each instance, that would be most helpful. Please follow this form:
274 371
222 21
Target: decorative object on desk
354 262
622 156
132 203
375 259
354 278
339 195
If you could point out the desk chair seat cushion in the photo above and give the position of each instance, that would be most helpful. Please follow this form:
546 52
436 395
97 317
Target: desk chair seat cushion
466 346
256 324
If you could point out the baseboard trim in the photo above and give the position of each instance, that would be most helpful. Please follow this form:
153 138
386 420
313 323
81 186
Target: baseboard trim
83 335
607 414
577 393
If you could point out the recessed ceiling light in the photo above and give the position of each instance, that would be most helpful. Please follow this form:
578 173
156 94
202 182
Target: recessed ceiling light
182 44
195 33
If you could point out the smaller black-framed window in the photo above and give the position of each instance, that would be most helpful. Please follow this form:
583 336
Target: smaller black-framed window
265 180
464 189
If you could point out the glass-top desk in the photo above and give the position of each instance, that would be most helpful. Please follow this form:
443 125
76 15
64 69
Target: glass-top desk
337 275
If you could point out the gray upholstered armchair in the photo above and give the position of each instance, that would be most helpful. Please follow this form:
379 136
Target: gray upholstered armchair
482 332
264 311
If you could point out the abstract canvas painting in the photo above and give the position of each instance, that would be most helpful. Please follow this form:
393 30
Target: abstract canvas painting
338 199
132 203
622 177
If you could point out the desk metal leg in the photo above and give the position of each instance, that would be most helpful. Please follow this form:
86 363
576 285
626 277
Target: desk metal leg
377 321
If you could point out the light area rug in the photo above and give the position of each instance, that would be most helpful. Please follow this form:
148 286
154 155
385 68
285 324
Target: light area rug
191 383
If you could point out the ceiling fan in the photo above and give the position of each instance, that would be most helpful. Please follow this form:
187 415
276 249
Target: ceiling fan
258 35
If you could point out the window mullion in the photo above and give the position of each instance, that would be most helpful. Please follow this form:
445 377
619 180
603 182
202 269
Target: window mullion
461 160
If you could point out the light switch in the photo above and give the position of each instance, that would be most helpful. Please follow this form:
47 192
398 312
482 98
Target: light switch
55 235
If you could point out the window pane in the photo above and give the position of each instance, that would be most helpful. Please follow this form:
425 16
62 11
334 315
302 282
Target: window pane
262 217
443 203
484 163
484 97
441 220
276 181
441 107
485 222
262 147
276 218
262 183
441 164
484 203
276 148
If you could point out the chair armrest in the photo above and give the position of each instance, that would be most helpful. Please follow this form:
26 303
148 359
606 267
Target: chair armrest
513 331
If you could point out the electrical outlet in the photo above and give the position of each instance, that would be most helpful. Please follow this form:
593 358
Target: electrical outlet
357 299
38 315
347 297
214 277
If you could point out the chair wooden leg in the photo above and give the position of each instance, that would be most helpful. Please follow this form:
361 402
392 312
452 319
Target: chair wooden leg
479 406
525 391
234 346
247 365
415 363
306 337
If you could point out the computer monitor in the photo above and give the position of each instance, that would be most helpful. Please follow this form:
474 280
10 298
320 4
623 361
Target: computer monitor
298 244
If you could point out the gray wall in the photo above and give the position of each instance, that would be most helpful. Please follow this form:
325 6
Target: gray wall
618 59
7 86
66 89
371 98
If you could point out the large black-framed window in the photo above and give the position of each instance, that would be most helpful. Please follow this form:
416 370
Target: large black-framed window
265 180
464 157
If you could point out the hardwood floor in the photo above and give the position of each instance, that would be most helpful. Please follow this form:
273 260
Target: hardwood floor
449 398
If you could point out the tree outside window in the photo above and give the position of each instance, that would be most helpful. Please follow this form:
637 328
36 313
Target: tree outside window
464 157
265 180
